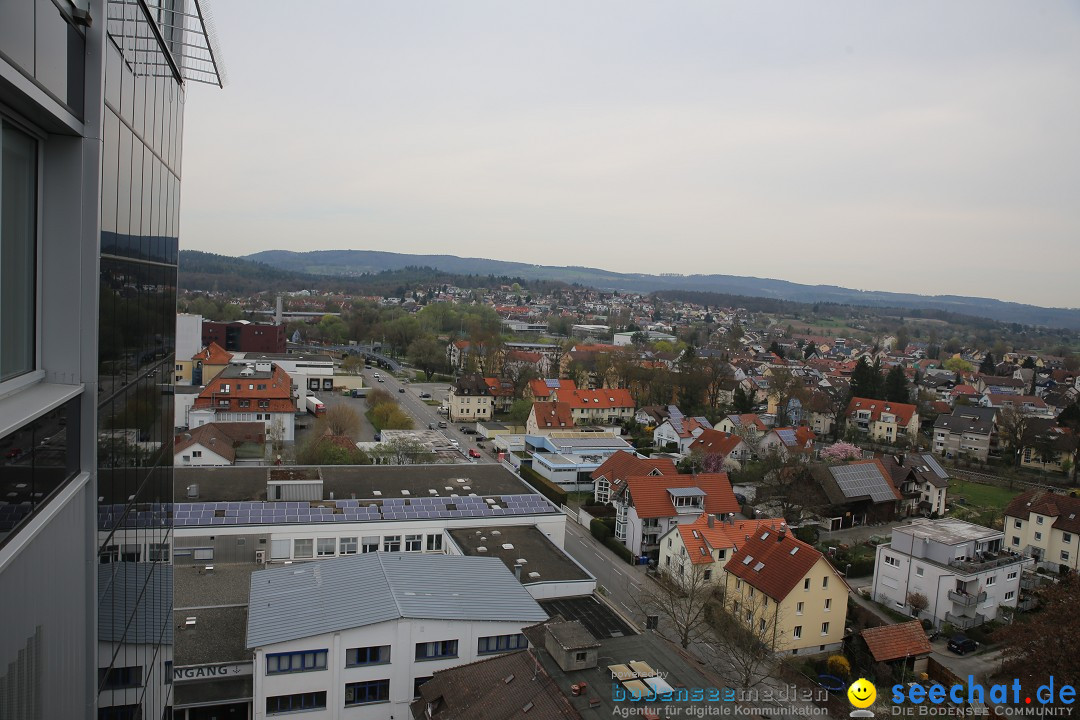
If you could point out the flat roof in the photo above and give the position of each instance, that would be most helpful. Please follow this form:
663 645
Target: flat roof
320 357
598 618
948 531
216 637
227 584
247 483
528 543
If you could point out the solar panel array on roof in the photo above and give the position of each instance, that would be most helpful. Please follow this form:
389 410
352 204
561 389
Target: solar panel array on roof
675 417
787 436
201 514
861 480
552 384
934 465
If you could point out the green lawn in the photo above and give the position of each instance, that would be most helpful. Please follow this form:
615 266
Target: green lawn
979 495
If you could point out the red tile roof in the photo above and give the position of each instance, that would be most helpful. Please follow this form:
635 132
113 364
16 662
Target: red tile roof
540 390
221 438
716 442
499 388
902 411
610 398
698 536
276 389
780 570
895 642
1043 502
651 499
623 464
553 415
213 354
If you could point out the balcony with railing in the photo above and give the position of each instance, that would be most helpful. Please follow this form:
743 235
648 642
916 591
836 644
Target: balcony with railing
965 622
987 561
966 599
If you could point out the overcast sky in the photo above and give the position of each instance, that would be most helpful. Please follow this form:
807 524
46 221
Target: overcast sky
929 147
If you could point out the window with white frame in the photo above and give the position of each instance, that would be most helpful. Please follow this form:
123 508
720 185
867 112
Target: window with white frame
828 604
1011 575
370 544
1038 535
1065 556
326 546
1038 519
434 543
824 628
347 546
436 650
891 561
992 580
1066 538
392 543
797 632
1010 595
501 643
303 547
920 571
414 543
799 608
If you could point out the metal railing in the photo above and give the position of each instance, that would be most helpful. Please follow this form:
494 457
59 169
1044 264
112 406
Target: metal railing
967 599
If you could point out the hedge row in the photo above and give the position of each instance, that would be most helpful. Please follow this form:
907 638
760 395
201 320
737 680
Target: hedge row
545 487
602 532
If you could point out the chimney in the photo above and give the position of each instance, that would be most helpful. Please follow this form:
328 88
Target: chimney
781 532
278 312
517 572
712 521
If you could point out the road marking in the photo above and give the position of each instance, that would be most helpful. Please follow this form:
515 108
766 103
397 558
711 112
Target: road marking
617 572
598 555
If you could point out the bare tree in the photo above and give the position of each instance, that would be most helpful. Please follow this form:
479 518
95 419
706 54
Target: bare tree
341 420
681 595
1012 426
747 633
918 602
401 451
785 387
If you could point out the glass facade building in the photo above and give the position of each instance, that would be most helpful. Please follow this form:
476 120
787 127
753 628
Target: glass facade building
91 121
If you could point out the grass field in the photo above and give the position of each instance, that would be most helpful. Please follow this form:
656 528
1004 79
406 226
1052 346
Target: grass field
979 495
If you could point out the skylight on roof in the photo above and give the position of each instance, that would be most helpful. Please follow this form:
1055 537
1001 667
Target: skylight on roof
757 568
794 549
765 535
747 560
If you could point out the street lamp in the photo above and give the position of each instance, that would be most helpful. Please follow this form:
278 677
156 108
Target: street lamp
847 570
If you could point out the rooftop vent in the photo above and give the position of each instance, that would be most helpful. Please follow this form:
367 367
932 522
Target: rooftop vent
481 549
377 493
406 492
534 575
507 546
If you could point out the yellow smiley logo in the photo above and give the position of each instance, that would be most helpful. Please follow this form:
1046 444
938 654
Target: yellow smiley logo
862 693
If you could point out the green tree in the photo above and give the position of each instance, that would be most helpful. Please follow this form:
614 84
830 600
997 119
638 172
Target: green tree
741 401
866 382
957 365
427 354
333 329
519 411
896 386
988 366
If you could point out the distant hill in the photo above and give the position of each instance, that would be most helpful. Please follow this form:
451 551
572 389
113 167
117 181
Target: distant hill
356 262
210 272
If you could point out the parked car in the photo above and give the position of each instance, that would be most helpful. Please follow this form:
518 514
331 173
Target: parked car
431 426
425 396
401 390
473 453
961 644
442 423
380 379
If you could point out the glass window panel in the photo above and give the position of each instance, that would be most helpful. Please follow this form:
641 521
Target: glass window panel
123 185
135 168
17 33
147 198
113 74
50 49
18 257
109 164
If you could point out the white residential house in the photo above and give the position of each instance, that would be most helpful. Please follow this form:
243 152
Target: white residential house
965 571
679 430
384 624
651 505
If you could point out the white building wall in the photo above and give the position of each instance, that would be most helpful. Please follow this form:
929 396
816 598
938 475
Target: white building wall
401 635
188 335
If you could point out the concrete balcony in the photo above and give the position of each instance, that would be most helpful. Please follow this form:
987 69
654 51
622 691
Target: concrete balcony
967 599
965 622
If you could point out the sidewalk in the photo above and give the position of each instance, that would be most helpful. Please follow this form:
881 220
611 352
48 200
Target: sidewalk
865 603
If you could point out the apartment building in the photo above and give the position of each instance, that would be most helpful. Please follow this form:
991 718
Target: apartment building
966 571
969 432
471 400
650 506
385 625
92 96
609 479
1045 526
245 393
705 545
601 406
787 593
883 421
